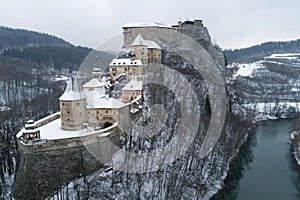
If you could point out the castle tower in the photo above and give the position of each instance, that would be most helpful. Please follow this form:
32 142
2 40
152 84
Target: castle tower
72 106
97 73
139 49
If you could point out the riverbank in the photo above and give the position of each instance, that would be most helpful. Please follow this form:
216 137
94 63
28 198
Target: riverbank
295 137
264 167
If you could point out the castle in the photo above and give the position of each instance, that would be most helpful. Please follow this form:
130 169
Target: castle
94 107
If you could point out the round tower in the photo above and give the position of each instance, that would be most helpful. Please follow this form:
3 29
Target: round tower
72 106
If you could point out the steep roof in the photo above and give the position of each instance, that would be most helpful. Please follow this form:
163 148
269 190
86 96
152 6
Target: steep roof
152 45
93 83
133 85
139 41
95 100
125 62
73 91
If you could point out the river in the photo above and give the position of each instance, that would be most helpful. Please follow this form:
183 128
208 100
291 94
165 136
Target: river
264 168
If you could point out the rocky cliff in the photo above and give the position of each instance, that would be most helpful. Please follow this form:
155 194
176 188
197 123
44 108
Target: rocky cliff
191 174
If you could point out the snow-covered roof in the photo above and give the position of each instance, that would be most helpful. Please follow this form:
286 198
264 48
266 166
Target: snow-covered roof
152 45
95 100
153 24
73 91
93 83
133 85
139 41
125 62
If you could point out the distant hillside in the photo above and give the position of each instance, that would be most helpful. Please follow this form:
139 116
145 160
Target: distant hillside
57 57
258 52
19 38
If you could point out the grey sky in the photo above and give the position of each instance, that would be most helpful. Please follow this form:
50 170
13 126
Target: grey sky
232 23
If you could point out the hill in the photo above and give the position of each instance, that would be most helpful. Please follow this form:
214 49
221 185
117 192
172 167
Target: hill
19 38
258 52
57 57
44 49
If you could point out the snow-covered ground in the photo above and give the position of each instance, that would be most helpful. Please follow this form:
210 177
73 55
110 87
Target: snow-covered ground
272 110
295 136
288 56
53 130
246 69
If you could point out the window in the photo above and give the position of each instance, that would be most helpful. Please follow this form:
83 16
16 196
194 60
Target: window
97 112
107 111
68 112
63 104
68 119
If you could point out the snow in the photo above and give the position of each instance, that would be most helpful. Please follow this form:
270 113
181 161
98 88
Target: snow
295 89
95 100
246 69
61 78
53 131
72 92
133 85
139 41
289 56
93 83
125 62
152 45
272 110
153 24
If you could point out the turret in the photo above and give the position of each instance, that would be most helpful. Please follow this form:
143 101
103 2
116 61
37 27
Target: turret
97 73
72 106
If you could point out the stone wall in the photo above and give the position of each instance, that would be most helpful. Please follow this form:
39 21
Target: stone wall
45 168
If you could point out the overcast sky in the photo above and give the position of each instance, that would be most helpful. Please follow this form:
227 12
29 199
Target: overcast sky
232 23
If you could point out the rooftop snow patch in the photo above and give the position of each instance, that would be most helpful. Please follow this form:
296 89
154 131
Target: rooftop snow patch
153 24
133 85
93 83
95 100
139 41
125 62
73 91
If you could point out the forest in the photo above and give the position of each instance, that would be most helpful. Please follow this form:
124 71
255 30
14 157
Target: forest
258 52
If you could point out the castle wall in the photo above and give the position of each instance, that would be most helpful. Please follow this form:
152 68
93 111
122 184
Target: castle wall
129 34
116 71
99 116
154 56
51 146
